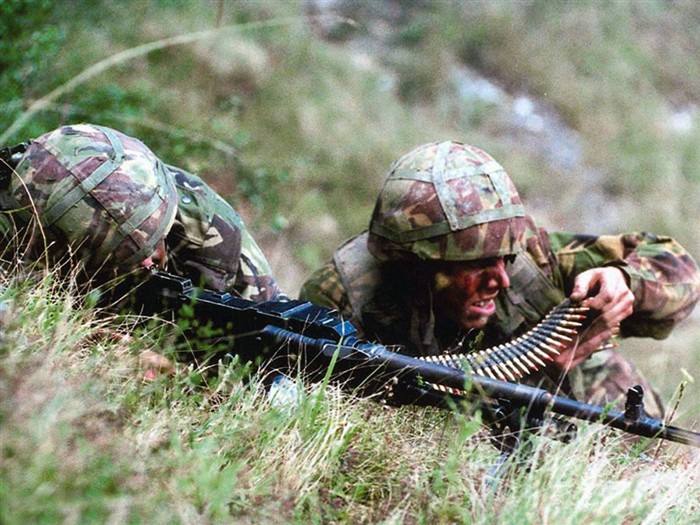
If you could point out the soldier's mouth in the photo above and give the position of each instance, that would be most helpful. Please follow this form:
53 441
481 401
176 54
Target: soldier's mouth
485 300
484 308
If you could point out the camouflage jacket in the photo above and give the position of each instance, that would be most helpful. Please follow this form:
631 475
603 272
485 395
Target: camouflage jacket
210 244
664 278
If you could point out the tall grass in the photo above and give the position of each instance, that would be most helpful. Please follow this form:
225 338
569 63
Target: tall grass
85 438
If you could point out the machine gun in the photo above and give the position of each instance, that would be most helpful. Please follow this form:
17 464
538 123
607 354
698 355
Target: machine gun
300 336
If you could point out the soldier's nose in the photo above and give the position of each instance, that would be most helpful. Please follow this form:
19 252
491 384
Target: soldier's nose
497 275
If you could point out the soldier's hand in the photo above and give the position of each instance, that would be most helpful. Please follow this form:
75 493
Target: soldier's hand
605 291
595 338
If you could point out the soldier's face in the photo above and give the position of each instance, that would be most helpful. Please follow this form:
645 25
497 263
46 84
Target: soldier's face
158 259
465 292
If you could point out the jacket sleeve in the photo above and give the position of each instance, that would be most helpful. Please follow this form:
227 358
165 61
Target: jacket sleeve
325 288
254 279
210 244
662 275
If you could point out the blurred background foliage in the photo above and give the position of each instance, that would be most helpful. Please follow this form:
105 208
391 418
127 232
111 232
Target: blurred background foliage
294 110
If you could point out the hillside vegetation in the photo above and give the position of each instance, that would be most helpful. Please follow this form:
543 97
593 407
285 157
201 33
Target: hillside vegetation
86 439
293 111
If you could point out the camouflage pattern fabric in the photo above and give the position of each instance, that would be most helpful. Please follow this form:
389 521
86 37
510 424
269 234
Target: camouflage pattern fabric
605 378
663 276
100 197
446 201
210 244
104 199
389 309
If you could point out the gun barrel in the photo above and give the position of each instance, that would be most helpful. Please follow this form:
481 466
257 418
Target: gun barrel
532 398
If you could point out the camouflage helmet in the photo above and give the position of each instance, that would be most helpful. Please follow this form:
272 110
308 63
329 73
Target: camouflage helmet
446 201
101 197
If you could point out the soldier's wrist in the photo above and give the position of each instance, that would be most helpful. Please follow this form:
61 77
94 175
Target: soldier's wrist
631 274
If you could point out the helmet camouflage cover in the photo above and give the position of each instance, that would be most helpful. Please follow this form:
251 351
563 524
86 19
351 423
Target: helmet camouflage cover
446 201
101 197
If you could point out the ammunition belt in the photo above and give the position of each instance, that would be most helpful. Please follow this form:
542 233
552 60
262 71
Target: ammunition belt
526 354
